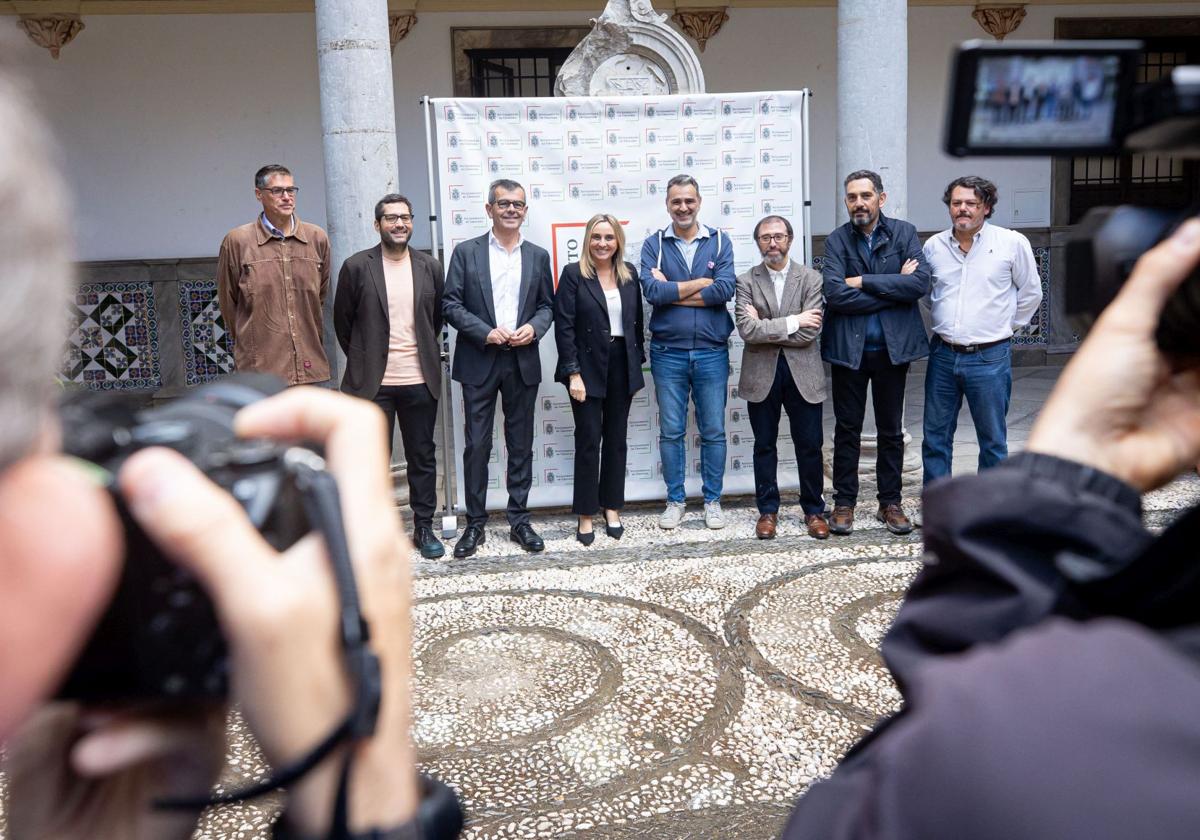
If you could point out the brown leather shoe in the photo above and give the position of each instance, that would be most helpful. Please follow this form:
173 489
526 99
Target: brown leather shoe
818 528
841 522
765 529
893 517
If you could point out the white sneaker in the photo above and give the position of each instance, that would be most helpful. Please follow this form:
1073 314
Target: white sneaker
714 517
672 516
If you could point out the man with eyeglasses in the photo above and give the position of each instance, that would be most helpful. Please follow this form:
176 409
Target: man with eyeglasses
387 313
779 309
500 297
985 286
272 279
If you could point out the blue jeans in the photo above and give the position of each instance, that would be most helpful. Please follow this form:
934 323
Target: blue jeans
985 379
705 373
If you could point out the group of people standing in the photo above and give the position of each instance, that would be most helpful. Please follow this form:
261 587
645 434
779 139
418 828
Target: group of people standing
860 314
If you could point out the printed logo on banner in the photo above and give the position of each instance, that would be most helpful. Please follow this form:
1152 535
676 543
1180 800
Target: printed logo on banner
737 108
699 136
701 110
661 113
504 166
547 166
624 189
464 193
581 140
549 192
622 112
775 133
455 115
774 106
582 115
496 140
736 186
737 210
623 137
738 158
552 404
464 166
623 163
585 165
639 424
773 157
558 475
693 162
739 133
779 208
545 140
558 451
459 142
544 113
768 183
502 114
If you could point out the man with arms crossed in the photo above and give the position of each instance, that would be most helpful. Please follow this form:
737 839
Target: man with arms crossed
272 279
687 276
985 286
874 275
779 308
500 297
387 313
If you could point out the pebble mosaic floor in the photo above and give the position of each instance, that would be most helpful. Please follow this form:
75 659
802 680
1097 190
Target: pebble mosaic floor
676 685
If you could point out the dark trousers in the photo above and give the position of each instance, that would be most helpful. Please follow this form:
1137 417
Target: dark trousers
601 439
804 418
416 410
519 401
849 405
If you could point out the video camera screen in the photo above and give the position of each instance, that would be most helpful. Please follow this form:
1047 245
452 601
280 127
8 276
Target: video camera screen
1039 98
1035 101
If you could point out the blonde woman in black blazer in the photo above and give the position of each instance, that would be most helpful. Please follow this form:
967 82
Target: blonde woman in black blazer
598 328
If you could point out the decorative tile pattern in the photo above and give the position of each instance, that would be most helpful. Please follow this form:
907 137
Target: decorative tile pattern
113 343
207 348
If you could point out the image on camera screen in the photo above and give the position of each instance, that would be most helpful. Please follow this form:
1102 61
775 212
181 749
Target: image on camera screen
1028 100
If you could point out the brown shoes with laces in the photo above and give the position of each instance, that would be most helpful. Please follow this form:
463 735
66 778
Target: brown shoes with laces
818 528
893 517
841 521
765 528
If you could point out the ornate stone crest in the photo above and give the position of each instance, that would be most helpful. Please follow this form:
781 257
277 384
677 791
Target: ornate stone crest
630 51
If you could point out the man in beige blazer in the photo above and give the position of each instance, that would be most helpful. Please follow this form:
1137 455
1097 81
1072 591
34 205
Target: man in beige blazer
778 312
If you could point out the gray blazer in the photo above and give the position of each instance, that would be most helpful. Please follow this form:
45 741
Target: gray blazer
767 335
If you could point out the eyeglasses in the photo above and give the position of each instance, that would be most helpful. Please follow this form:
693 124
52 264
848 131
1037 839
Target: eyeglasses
505 203
768 238
278 191
392 218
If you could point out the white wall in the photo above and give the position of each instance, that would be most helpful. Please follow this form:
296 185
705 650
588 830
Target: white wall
163 119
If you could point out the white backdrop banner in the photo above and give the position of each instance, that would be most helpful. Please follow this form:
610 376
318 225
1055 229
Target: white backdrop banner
579 157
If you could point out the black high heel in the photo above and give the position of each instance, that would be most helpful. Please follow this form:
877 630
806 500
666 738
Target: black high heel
614 531
586 539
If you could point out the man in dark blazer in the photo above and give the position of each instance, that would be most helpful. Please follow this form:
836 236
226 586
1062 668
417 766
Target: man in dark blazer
874 272
387 313
500 297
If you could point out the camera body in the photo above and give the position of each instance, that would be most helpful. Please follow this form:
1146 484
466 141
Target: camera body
159 636
1081 98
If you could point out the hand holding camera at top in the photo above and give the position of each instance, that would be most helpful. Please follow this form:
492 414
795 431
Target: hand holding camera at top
1120 406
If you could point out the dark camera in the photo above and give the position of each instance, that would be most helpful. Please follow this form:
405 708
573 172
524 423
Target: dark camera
159 636
1080 98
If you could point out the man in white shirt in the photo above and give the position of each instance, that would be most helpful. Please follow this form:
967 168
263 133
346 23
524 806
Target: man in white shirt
500 297
985 286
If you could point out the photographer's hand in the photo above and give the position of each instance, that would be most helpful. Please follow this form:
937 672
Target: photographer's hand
1118 406
280 613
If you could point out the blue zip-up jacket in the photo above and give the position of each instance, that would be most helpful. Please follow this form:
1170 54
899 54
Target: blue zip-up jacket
689 327
889 293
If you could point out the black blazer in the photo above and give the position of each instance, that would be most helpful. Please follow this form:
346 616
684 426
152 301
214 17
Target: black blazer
581 330
363 326
467 305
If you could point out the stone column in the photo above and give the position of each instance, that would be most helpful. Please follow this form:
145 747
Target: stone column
358 125
872 131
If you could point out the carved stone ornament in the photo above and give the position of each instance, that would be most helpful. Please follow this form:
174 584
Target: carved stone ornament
999 21
51 31
701 24
399 25
630 51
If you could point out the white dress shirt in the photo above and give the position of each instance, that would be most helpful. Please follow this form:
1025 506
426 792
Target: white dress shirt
506 280
987 293
778 280
612 298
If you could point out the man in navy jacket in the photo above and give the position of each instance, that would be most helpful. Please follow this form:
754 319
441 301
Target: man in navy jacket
875 272
687 276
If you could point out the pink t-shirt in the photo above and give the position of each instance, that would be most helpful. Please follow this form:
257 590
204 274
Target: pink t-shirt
403 364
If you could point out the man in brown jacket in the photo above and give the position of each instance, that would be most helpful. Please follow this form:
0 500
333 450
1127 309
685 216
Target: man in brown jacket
778 312
272 278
